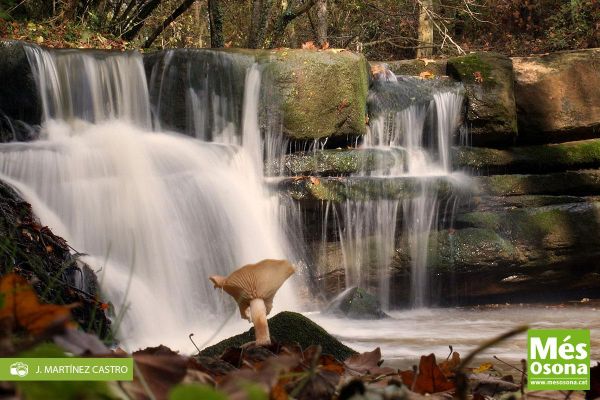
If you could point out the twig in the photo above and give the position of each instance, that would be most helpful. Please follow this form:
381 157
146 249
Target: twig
523 377
510 365
451 351
194 343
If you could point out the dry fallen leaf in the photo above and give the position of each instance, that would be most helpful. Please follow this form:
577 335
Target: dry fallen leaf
22 307
483 368
449 366
429 379
426 75
310 45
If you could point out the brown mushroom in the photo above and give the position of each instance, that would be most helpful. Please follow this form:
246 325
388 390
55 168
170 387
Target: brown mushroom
253 287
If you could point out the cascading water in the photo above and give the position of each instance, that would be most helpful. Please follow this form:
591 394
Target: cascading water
413 121
158 212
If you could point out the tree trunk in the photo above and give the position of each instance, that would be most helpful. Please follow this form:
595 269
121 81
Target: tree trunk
286 17
215 15
321 21
140 19
183 7
425 49
258 25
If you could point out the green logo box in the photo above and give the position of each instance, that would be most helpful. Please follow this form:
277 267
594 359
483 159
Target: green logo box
66 369
558 359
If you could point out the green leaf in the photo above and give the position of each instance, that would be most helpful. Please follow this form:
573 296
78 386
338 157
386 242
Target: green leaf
194 392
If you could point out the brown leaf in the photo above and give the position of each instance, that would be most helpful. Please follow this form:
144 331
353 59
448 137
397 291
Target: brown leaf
364 362
21 306
377 69
310 45
157 369
449 366
325 45
429 379
478 77
426 75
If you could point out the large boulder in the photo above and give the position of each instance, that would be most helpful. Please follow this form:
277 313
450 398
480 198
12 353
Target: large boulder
322 93
488 79
20 104
557 95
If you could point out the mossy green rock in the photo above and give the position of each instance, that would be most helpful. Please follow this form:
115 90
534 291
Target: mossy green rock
557 95
369 188
323 93
583 183
488 79
558 234
530 159
415 67
356 303
288 327
337 162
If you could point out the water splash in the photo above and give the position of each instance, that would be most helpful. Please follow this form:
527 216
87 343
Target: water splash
164 210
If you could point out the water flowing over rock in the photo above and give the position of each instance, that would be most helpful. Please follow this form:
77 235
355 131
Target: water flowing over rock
157 211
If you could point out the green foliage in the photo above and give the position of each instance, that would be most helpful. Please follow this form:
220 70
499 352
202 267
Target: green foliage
60 390
575 25
194 392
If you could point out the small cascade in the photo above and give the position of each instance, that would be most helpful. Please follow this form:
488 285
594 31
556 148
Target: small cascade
157 212
414 121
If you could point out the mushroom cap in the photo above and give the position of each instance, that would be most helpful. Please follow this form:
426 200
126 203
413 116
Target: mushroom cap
255 281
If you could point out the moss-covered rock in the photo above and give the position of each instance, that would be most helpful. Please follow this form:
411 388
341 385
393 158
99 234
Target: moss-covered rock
470 249
319 93
415 67
558 234
19 99
488 80
530 159
337 162
583 183
369 188
288 327
557 96
322 93
356 303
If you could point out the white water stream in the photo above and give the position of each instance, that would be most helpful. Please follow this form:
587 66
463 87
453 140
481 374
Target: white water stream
156 212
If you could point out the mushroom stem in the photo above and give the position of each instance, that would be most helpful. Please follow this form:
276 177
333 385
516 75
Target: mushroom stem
258 315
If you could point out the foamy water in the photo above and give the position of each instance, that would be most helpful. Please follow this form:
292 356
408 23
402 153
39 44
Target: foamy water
413 333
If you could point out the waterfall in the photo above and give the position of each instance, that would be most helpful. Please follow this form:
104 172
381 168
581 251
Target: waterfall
414 121
155 211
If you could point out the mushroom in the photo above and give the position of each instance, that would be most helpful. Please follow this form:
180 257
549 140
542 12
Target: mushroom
253 287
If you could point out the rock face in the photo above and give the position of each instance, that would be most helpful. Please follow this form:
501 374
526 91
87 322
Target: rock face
19 100
356 303
318 93
488 79
416 67
323 93
557 96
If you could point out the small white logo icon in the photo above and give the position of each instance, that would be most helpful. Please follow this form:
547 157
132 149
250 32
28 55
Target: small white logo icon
19 369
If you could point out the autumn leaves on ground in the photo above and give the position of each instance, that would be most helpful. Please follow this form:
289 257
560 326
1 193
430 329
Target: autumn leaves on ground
278 371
